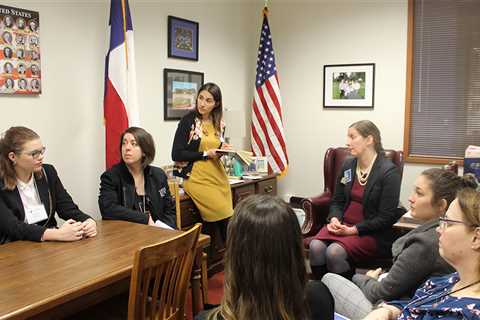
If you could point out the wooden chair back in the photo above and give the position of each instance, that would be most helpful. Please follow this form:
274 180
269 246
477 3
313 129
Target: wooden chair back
160 278
175 192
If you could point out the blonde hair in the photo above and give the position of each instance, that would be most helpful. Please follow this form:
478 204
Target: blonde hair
367 128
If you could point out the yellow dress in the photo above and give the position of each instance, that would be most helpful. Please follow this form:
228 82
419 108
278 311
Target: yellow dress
208 184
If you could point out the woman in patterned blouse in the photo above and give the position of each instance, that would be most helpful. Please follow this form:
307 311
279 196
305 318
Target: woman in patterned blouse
456 296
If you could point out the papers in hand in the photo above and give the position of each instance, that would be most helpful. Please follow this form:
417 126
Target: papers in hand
160 224
245 156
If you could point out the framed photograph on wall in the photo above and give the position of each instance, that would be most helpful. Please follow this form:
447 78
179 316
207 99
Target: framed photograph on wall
182 38
349 85
180 90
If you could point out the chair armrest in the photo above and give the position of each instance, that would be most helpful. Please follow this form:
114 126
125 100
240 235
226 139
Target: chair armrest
316 212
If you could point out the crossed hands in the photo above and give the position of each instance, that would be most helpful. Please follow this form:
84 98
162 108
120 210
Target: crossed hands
73 230
337 228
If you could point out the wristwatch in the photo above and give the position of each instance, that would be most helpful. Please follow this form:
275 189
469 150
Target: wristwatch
205 155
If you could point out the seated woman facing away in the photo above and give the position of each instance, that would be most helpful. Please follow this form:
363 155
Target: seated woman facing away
31 192
265 274
363 209
415 255
455 296
133 190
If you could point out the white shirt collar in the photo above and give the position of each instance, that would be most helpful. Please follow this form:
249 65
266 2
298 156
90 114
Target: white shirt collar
22 185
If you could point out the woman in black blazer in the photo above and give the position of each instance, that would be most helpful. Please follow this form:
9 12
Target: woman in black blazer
133 190
31 192
364 206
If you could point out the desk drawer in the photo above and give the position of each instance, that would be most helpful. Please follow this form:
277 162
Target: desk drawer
267 187
242 192
190 214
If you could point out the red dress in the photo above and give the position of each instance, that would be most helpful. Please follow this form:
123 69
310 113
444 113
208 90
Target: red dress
358 247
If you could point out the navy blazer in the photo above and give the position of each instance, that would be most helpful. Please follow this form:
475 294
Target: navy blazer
380 200
52 195
117 199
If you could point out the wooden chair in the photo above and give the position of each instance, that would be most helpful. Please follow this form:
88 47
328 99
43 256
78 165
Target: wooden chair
175 192
160 277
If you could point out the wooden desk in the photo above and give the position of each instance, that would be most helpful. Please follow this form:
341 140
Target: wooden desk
55 279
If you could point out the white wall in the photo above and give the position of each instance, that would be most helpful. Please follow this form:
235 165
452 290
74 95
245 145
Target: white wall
310 34
68 114
306 35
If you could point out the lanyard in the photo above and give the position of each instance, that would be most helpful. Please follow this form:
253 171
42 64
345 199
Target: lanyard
417 303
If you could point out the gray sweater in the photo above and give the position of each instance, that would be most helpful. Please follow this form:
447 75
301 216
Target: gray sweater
415 259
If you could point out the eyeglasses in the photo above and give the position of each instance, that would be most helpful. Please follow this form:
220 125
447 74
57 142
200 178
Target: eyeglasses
445 222
35 154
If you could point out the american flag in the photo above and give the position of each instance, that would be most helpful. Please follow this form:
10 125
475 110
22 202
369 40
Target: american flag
268 138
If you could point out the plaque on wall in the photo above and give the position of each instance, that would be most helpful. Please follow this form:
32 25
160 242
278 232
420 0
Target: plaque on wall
20 68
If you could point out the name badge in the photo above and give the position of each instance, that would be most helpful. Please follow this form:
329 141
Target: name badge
36 214
347 176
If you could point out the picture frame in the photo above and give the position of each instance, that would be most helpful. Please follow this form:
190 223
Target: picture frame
182 38
180 91
261 165
349 85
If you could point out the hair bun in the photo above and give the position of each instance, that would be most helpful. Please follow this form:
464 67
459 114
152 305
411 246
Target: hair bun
469 181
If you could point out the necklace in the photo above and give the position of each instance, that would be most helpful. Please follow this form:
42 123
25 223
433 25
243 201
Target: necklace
418 303
362 175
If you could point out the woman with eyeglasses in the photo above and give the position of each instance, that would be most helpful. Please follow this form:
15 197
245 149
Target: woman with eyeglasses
455 296
134 190
199 134
31 192
433 192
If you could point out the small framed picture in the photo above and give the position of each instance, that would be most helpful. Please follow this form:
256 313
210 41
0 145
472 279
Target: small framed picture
180 90
261 164
348 85
182 38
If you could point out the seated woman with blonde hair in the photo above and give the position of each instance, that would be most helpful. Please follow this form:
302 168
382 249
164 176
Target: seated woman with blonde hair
31 192
455 296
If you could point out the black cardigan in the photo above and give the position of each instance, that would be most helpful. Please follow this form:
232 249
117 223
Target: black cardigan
182 149
52 195
380 200
117 196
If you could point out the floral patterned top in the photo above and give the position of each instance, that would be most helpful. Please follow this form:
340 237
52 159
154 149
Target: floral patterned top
432 301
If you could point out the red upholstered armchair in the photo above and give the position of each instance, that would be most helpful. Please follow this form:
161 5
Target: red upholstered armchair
316 208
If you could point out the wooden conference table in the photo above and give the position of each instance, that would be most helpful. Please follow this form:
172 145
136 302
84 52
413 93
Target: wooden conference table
55 279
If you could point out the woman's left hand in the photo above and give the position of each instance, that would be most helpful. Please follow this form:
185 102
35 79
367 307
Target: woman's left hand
344 230
89 228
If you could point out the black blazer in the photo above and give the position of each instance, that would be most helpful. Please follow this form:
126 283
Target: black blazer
53 196
380 200
117 196
185 145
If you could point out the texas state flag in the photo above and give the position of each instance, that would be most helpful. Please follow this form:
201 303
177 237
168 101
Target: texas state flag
120 105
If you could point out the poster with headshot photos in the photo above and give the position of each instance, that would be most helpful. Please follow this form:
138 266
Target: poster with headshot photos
20 71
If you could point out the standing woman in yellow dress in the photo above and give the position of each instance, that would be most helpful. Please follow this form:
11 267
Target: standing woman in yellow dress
198 135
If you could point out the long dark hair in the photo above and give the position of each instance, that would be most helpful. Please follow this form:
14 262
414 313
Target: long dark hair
265 274
13 140
217 112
